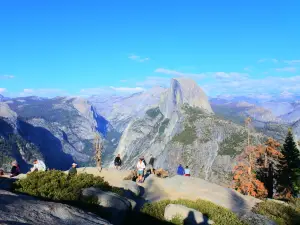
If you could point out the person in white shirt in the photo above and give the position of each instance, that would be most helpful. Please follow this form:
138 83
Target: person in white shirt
38 165
187 172
140 170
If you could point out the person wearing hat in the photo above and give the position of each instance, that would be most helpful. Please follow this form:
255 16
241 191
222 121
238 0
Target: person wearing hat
73 170
15 169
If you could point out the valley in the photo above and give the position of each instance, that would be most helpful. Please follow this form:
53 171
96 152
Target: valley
179 124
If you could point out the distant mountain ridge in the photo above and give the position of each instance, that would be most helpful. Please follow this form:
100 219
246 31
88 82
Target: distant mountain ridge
62 128
179 122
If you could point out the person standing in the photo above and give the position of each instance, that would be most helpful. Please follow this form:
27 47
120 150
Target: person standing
140 170
187 172
118 162
15 169
180 170
151 163
73 170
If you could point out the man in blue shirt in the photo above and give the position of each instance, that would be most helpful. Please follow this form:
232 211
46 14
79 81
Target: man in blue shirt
180 170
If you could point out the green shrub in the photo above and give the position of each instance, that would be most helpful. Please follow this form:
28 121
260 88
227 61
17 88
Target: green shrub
280 213
187 136
153 113
216 213
56 185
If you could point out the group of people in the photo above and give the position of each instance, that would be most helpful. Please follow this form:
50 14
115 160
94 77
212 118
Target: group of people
38 165
183 171
15 170
142 167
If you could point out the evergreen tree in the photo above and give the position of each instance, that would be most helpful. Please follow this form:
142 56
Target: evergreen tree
289 177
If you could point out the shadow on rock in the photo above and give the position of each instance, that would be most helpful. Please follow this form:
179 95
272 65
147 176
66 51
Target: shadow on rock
49 145
12 223
191 220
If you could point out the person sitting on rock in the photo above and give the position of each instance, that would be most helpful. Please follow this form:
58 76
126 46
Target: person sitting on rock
73 170
118 162
38 165
140 170
15 169
187 172
1 172
180 170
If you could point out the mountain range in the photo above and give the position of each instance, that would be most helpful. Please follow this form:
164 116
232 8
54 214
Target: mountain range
179 124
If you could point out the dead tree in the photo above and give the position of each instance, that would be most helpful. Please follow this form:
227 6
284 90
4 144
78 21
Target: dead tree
98 145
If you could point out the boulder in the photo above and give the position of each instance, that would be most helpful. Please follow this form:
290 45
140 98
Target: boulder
22 209
161 173
254 219
117 206
131 186
190 216
132 176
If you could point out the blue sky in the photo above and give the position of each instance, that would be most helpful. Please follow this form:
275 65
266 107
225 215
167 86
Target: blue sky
55 47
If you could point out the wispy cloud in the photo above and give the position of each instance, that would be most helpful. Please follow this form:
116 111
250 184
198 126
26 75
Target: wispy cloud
7 76
294 61
138 58
154 81
268 60
230 75
128 89
110 90
2 90
250 85
179 74
43 92
286 69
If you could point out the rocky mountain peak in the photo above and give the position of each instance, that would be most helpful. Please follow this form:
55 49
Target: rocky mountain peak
183 91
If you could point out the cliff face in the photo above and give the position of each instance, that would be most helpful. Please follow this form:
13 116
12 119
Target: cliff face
184 129
183 91
63 129
119 111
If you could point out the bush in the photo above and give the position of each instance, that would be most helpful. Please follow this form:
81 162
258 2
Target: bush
280 213
58 186
216 213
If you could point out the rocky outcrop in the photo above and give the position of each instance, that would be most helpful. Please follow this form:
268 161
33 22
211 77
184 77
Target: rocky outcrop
21 209
180 187
207 144
116 205
189 216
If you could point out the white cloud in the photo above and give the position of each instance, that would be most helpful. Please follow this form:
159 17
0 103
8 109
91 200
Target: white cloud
7 76
28 91
2 90
43 92
286 94
230 75
265 85
179 74
268 60
128 89
286 69
110 90
154 81
294 61
138 58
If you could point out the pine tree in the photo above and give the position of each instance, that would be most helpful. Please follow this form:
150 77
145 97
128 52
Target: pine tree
289 177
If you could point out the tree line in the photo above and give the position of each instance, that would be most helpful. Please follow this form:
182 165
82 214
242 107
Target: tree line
269 170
